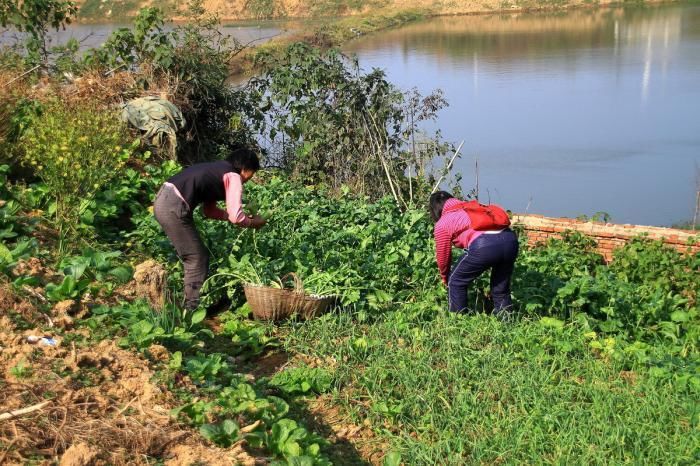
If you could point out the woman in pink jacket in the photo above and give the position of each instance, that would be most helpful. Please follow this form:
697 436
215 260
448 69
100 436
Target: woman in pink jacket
490 249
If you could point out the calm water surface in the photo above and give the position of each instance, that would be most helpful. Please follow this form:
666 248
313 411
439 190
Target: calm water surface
568 114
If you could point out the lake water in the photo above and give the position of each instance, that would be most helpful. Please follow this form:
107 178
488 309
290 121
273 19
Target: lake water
569 113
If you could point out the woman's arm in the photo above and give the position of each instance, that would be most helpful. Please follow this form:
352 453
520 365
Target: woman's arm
443 251
234 200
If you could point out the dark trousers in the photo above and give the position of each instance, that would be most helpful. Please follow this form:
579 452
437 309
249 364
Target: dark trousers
494 251
175 217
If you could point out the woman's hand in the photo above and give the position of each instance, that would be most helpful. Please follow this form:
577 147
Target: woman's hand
257 222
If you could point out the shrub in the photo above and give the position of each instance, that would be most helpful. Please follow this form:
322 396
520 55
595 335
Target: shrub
12 106
76 151
36 18
328 122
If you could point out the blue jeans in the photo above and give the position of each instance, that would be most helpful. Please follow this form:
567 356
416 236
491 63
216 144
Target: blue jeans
494 251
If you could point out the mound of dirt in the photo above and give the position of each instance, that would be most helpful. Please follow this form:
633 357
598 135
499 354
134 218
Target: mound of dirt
10 302
97 404
150 279
31 267
196 453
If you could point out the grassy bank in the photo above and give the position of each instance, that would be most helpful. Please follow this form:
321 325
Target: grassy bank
329 34
470 390
97 10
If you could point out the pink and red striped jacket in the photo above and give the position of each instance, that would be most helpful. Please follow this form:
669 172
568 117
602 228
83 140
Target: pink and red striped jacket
452 228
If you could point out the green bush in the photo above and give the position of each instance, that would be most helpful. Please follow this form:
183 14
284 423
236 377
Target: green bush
76 151
36 18
327 122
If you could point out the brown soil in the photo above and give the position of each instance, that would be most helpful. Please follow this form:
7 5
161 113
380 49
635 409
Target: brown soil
31 266
196 453
104 407
269 364
351 443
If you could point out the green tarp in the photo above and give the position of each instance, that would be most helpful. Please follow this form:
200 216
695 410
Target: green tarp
157 118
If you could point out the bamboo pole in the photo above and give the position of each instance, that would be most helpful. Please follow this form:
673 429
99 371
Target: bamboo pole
449 165
697 208
380 152
20 76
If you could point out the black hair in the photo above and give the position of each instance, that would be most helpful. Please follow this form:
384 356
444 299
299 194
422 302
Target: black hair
437 202
244 158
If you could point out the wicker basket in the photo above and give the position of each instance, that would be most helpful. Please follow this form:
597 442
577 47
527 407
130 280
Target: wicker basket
269 303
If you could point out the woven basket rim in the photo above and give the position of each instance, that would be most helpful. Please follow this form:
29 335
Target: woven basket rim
319 297
256 285
291 290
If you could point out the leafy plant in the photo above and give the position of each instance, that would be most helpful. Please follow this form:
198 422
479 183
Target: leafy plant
170 326
19 116
293 442
223 434
205 368
96 265
250 338
75 151
271 273
81 271
197 411
21 250
70 288
303 380
242 398
22 370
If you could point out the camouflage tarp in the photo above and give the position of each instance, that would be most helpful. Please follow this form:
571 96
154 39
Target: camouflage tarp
158 118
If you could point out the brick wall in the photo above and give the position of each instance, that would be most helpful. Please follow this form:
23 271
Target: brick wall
608 235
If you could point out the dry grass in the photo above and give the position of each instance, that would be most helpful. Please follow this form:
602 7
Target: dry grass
118 438
94 403
91 87
116 416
